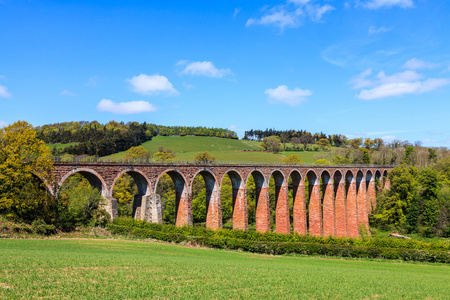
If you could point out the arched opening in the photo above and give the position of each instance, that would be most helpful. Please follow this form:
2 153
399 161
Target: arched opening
205 201
128 189
172 190
234 206
314 204
386 183
327 204
340 204
279 203
258 202
370 192
297 207
352 218
361 200
81 194
378 181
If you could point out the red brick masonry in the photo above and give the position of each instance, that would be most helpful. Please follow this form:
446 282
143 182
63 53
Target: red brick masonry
340 197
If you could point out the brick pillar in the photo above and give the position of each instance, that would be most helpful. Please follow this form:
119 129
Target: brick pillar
184 208
340 208
240 212
300 225
363 218
371 195
352 217
262 209
214 208
328 209
282 209
387 184
315 209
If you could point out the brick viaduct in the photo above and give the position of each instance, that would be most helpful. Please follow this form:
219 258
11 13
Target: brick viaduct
339 198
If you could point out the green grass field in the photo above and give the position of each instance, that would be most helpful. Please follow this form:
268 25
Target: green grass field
186 147
111 269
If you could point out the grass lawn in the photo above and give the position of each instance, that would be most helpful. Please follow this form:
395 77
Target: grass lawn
107 269
186 147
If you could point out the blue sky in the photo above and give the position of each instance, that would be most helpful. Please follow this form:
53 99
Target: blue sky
363 68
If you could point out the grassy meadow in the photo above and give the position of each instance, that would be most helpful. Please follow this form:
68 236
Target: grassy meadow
113 269
186 147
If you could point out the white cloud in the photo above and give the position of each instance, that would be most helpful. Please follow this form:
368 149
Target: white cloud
3 124
291 14
236 12
202 68
283 94
376 4
232 127
152 85
4 92
125 108
416 64
375 30
68 93
401 83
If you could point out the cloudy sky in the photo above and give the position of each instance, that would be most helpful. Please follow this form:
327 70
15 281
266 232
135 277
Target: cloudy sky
363 68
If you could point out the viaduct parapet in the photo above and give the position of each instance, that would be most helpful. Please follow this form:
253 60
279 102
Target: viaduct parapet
336 200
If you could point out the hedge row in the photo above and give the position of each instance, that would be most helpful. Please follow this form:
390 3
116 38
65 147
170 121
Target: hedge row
268 247
285 238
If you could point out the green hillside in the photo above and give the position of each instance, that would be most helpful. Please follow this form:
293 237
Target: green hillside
186 147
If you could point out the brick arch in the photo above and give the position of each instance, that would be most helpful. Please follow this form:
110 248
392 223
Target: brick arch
282 220
340 203
213 205
262 200
183 204
94 178
139 177
48 186
370 191
240 212
314 205
352 213
361 205
328 209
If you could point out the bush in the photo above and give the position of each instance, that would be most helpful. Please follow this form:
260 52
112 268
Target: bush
40 227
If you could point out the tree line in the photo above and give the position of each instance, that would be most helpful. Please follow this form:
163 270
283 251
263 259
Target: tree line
97 139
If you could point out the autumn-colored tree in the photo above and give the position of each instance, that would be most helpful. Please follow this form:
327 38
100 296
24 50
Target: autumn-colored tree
138 152
164 154
323 143
355 143
322 162
204 157
23 159
292 160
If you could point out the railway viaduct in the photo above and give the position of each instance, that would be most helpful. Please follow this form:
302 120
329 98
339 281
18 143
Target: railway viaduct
333 201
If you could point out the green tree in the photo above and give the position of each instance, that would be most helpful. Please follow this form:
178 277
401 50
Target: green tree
271 143
204 157
123 192
24 159
322 161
